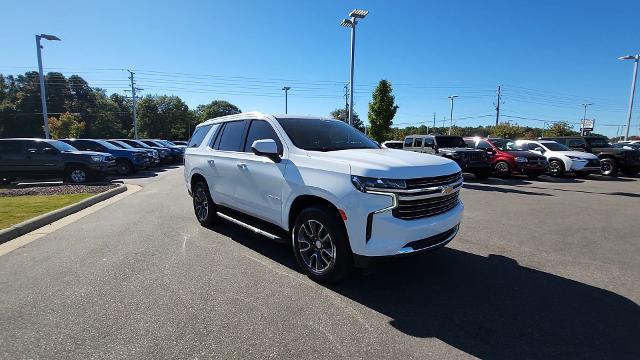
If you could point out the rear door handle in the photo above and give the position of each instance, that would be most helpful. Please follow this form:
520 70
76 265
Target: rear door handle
242 165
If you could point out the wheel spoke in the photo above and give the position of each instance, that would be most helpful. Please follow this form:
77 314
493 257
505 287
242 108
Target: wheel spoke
307 231
307 246
326 256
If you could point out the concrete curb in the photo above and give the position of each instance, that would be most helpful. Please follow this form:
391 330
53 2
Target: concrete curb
28 226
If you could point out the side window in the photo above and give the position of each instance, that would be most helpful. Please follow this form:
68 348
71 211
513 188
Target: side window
575 143
12 147
258 130
417 143
428 142
79 144
37 147
484 145
533 146
199 135
231 136
408 142
471 143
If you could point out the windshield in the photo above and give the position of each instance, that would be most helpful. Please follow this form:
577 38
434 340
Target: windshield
501 143
107 144
121 144
62 146
450 142
325 135
598 142
554 146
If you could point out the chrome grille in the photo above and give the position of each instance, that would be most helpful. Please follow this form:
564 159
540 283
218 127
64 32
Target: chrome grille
473 155
428 197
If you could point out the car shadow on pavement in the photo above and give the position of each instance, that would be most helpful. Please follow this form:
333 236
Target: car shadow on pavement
501 190
493 308
489 307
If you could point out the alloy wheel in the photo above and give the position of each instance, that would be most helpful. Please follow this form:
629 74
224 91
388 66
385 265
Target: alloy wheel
316 247
502 168
554 168
78 176
201 204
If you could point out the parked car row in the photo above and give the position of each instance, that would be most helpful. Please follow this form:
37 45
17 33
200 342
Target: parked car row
82 160
557 156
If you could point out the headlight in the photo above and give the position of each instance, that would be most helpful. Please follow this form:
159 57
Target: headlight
521 159
97 158
575 157
363 183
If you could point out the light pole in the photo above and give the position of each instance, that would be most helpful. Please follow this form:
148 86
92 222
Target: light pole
351 23
635 59
43 95
451 114
286 97
584 117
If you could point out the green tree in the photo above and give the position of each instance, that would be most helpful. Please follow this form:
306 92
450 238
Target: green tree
341 114
163 117
505 130
382 110
124 114
215 109
105 122
560 128
66 125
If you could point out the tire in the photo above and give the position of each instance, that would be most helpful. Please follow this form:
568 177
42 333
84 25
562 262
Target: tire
502 169
320 245
124 167
77 174
203 206
556 168
608 167
482 175
631 171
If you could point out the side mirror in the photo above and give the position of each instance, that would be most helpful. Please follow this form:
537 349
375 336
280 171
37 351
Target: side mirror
266 147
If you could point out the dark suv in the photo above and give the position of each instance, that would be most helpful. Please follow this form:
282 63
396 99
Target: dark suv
454 148
611 159
37 159
127 161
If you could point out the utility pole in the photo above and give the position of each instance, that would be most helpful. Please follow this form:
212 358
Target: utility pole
451 114
498 106
346 104
434 122
133 104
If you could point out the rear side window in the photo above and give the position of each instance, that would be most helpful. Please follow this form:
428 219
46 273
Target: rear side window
575 143
10 147
417 143
260 130
199 135
408 142
231 137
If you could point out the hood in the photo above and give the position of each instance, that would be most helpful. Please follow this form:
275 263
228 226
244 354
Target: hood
390 163
580 154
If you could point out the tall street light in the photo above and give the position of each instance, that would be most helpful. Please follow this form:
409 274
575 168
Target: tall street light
451 114
286 95
351 23
43 95
635 59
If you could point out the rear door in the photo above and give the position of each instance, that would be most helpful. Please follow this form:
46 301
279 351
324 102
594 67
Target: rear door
42 158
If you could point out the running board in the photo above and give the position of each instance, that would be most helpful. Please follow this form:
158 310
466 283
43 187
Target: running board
250 227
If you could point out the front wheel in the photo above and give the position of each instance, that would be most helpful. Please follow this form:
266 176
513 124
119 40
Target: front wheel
124 167
77 175
556 168
608 167
320 245
502 169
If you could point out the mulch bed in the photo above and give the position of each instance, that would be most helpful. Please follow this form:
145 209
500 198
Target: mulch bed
62 189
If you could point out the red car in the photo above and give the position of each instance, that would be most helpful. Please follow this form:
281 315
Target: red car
508 158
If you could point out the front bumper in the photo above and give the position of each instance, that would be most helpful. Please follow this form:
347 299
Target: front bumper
389 235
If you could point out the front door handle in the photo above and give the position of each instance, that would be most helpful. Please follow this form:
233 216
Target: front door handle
242 165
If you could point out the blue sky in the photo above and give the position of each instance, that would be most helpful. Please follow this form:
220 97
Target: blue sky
549 56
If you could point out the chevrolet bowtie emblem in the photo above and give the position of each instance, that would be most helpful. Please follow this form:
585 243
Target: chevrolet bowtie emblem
447 190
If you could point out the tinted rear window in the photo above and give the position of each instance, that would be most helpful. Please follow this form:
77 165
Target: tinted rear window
408 142
231 137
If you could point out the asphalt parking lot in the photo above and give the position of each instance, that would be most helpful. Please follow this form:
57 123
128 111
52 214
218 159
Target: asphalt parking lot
542 268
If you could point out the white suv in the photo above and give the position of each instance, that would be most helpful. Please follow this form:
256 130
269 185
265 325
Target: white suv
563 159
340 198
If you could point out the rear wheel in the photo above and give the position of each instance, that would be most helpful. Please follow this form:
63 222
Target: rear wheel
502 169
203 205
77 174
320 245
556 168
608 167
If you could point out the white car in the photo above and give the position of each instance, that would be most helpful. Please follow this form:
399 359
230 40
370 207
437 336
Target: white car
334 193
563 159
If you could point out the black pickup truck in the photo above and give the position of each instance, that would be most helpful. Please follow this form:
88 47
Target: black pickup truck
46 159
452 147
612 159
